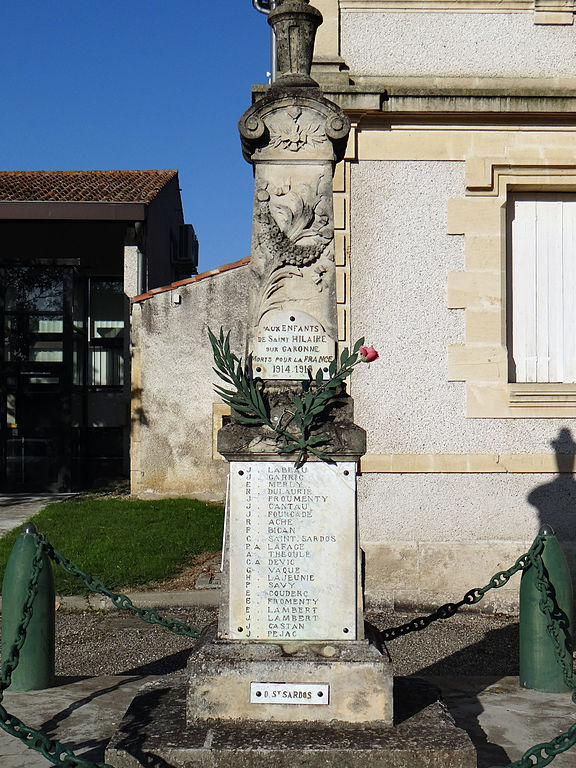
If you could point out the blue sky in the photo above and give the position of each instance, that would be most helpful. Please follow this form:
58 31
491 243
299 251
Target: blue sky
148 84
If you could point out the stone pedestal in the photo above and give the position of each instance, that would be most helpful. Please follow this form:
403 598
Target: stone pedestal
295 682
154 732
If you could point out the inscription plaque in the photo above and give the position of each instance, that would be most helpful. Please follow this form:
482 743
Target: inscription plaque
290 343
293 551
289 693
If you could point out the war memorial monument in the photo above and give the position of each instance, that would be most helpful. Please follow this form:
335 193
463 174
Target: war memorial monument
290 676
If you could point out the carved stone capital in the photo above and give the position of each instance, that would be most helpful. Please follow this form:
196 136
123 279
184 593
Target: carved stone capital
294 122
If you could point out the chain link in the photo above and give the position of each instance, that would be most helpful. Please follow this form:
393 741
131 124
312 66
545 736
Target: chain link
471 597
557 626
54 751
537 756
120 601
557 623
544 753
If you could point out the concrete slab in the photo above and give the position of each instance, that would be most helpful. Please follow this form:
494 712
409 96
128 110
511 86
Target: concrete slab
83 714
17 508
505 720
501 720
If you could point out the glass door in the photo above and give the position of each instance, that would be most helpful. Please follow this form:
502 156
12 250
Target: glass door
35 376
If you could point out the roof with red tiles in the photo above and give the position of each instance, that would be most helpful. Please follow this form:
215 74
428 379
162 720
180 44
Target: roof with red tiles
195 279
83 186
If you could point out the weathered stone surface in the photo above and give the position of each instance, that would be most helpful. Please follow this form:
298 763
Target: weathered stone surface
154 732
345 440
293 141
220 675
288 528
294 51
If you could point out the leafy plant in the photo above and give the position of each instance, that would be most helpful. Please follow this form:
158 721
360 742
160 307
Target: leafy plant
299 432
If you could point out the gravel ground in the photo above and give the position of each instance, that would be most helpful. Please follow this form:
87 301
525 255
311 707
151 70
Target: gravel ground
90 644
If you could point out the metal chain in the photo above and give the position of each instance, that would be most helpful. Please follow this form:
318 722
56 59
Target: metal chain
54 751
471 597
544 753
556 624
537 756
120 601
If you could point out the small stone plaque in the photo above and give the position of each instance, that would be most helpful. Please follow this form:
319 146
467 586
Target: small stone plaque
288 344
293 551
289 693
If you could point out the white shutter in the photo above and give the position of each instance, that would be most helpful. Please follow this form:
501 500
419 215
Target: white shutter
543 287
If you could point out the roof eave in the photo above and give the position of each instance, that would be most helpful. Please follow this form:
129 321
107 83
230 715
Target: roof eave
72 211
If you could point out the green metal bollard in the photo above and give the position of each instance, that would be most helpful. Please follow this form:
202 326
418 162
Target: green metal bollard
35 670
539 665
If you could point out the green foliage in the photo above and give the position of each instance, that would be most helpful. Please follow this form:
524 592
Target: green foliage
248 405
125 542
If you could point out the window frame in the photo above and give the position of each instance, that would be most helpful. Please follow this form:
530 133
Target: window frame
482 362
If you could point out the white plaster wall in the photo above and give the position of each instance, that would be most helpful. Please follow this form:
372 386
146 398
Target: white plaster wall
177 383
452 44
460 507
400 259
430 537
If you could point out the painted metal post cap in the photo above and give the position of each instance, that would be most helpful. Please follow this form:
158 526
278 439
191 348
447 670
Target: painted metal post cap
295 23
29 528
546 530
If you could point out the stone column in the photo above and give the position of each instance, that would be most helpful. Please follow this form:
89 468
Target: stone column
293 137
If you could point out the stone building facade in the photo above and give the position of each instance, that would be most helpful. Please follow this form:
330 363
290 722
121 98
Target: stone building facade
455 245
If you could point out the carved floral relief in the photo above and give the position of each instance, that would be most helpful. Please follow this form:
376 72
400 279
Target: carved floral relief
293 243
294 129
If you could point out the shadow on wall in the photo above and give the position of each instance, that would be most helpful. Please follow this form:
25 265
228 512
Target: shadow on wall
556 501
138 413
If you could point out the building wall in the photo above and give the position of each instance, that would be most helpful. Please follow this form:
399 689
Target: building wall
174 405
163 220
462 465
479 44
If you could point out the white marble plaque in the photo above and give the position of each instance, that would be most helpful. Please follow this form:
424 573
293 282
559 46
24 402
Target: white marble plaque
289 693
293 556
288 344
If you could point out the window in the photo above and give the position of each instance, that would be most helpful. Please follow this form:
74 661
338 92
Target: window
518 286
541 297
33 319
106 329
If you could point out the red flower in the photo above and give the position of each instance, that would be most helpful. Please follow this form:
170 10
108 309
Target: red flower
368 354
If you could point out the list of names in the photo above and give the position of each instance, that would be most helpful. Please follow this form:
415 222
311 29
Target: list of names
292 551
